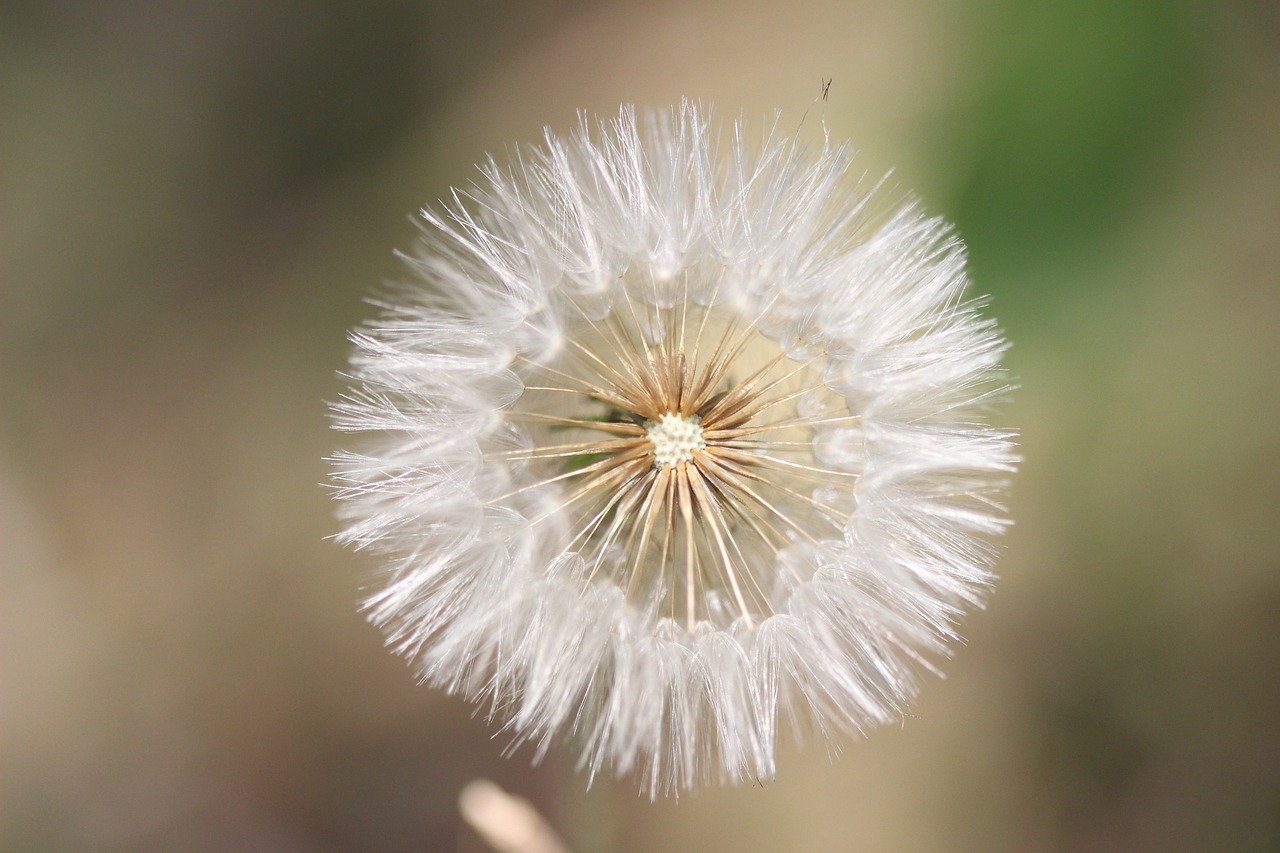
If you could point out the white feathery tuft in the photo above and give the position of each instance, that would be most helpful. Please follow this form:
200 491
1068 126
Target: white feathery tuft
678 447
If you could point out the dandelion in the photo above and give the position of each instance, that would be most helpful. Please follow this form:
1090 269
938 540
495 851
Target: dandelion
679 448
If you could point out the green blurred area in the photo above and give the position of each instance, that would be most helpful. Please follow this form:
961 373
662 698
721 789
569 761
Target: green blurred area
196 198
1082 103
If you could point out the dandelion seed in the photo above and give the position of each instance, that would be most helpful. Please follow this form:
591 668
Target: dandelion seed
680 448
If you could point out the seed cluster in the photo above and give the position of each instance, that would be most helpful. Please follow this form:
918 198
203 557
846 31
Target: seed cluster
688 484
674 438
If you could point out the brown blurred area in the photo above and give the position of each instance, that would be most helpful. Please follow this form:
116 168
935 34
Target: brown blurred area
196 197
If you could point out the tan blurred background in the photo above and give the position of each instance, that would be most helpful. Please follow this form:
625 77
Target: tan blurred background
196 197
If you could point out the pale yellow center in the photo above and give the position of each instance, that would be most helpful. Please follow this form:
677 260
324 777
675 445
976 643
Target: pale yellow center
674 438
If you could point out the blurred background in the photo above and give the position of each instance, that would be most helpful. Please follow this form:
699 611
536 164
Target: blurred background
195 198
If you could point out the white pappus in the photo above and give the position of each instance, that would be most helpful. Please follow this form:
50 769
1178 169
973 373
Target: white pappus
679 446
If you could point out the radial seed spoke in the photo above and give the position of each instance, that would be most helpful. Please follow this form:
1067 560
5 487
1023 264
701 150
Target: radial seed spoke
741 394
719 434
712 518
588 529
691 553
609 473
739 507
724 503
747 473
609 373
668 530
624 499
718 365
776 446
714 372
753 407
603 396
601 465
602 426
591 389
559 451
756 458
723 469
649 512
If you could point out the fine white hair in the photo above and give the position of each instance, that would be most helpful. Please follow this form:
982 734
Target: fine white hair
822 590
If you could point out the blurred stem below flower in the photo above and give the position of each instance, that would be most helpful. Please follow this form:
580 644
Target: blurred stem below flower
507 823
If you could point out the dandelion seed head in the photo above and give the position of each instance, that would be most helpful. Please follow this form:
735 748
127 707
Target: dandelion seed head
678 447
